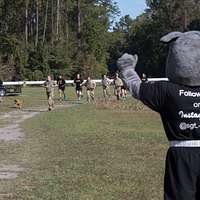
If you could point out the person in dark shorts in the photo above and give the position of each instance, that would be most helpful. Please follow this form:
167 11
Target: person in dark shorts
61 88
78 82
177 102
144 77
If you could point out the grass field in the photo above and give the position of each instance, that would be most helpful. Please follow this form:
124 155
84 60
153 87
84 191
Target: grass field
112 151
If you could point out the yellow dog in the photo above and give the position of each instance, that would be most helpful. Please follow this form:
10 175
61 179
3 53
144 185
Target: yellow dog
18 103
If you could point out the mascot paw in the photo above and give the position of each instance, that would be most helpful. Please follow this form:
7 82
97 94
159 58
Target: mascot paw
127 61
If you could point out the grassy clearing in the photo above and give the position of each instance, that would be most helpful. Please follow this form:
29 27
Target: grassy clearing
103 151
29 96
32 97
36 97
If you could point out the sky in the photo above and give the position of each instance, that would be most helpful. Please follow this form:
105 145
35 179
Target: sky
131 7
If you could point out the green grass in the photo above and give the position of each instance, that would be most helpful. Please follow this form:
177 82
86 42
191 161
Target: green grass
36 97
32 97
88 152
29 96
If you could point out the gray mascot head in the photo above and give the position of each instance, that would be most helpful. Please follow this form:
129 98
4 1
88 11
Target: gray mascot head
183 62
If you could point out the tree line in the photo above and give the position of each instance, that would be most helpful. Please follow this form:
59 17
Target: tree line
142 35
41 37
38 37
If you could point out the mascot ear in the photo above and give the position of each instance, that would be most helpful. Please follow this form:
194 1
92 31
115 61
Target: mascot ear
136 58
171 37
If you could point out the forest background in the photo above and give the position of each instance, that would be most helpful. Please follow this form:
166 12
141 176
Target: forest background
41 37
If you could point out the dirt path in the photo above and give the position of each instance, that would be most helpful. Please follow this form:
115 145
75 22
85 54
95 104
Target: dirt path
11 132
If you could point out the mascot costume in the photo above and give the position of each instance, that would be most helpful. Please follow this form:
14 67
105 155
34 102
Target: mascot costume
178 103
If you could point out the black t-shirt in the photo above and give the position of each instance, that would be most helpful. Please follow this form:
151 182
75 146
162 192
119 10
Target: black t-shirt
178 105
78 82
61 83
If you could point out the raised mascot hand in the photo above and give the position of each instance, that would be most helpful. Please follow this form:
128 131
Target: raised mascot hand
126 65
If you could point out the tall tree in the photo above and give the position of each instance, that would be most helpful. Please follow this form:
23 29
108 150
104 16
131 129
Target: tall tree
45 21
79 22
57 18
52 22
61 36
26 21
37 23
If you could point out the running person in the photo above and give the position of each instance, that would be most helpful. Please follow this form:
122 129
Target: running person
118 85
78 82
90 87
61 88
106 86
123 92
49 84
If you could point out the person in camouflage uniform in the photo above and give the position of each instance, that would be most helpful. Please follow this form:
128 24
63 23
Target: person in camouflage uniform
90 87
106 86
118 85
123 92
49 84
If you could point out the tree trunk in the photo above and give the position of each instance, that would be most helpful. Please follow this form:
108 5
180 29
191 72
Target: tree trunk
57 18
52 22
79 22
66 21
37 23
45 21
185 20
31 23
26 23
